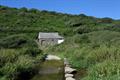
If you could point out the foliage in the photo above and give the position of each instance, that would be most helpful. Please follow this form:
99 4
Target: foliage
16 41
18 53
88 51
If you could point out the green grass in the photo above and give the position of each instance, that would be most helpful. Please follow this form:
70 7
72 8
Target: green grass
92 51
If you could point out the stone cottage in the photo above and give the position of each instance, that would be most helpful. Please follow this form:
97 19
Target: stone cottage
50 38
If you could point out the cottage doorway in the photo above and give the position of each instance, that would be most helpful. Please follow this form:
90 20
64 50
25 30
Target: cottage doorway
42 42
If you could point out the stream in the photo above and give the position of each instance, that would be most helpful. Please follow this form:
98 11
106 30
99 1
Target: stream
50 70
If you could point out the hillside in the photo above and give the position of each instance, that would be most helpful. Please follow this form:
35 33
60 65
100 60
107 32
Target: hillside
90 43
32 21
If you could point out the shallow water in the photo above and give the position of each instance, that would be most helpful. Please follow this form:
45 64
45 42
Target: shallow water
50 70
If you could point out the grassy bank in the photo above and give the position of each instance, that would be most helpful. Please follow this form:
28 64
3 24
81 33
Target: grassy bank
98 52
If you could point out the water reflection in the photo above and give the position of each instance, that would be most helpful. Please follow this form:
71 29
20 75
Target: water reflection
50 70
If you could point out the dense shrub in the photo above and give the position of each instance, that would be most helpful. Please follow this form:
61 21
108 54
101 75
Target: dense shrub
18 54
13 62
8 55
16 41
82 39
83 29
32 51
105 20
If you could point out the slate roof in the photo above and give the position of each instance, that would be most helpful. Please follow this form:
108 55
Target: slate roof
49 35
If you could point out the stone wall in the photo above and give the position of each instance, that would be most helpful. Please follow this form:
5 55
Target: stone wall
69 71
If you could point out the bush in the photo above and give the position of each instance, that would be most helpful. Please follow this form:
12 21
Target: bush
16 41
9 70
32 51
83 29
24 62
14 62
8 55
82 39
105 20
18 54
4 78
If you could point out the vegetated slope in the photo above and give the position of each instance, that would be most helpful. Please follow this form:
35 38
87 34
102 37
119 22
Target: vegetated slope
19 21
90 43
18 55
96 52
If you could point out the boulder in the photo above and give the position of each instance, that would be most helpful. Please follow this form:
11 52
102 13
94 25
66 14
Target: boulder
52 57
69 70
66 62
69 75
67 66
70 78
